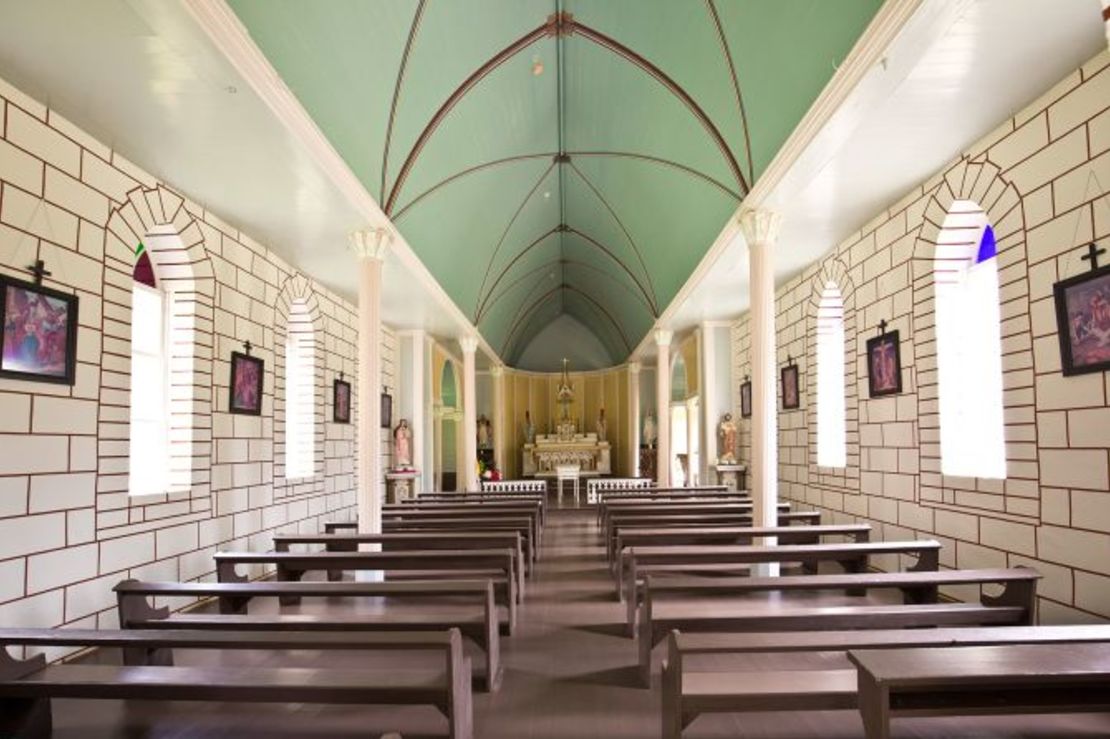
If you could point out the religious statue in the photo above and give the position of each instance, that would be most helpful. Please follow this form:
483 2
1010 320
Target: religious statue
601 425
529 429
726 440
649 430
485 433
402 445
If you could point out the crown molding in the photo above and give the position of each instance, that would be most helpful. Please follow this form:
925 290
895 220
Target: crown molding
227 32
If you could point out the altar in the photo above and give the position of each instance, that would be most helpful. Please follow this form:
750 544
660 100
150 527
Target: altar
548 451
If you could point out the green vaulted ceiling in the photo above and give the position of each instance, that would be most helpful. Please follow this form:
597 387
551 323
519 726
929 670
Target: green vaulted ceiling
557 156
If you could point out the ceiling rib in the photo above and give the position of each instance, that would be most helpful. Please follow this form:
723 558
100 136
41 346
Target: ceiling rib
397 90
477 76
620 224
516 323
550 264
676 89
547 154
735 85
604 312
505 233
563 228
469 170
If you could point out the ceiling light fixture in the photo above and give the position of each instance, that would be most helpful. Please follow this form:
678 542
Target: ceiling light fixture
537 66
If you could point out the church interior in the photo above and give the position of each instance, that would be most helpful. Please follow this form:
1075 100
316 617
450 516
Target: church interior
542 369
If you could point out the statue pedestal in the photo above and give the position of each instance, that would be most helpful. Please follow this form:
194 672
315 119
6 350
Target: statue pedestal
400 485
732 476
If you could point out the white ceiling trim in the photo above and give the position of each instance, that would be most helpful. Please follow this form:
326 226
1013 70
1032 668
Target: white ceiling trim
229 35
868 51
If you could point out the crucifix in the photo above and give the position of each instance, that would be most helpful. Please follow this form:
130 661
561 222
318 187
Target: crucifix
1092 255
247 347
38 269
882 327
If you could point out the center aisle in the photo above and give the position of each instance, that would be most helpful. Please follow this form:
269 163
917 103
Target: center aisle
568 670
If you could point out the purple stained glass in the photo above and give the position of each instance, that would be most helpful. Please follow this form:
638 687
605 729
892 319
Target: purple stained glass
987 246
144 271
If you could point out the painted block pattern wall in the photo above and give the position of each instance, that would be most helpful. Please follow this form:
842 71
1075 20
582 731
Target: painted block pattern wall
69 530
1043 177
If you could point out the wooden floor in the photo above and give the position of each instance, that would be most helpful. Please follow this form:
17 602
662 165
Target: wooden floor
568 674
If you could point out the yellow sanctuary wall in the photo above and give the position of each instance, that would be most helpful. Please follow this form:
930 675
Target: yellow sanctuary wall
535 392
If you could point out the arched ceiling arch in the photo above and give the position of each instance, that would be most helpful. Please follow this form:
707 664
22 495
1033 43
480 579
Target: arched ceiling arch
557 157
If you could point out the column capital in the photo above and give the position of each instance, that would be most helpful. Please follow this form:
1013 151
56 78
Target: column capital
469 344
371 243
760 226
663 336
497 370
634 368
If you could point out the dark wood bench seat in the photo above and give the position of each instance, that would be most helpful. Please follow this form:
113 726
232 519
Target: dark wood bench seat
655 624
349 542
647 515
27 686
454 525
478 622
483 497
1019 585
728 535
494 564
663 508
961 681
690 691
466 512
852 558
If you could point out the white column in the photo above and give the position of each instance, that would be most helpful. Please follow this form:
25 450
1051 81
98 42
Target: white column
427 463
634 419
707 390
1106 19
761 232
414 345
692 431
500 432
663 338
469 472
369 248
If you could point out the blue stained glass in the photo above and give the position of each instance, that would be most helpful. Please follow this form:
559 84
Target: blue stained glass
987 246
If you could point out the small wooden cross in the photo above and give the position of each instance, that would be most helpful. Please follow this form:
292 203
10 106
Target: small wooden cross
882 327
1092 255
38 269
247 347
789 361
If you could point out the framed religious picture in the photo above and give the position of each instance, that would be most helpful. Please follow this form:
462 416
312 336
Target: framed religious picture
1083 321
245 387
884 365
387 411
341 401
791 398
746 399
39 332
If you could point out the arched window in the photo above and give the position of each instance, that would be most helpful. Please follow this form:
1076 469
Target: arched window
969 346
832 448
149 464
300 395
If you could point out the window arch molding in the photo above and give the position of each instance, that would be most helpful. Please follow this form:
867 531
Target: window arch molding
980 182
298 297
158 218
847 478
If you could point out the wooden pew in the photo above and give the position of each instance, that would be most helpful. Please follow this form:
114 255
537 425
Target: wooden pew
961 681
481 627
688 692
291 566
466 510
454 525
723 535
643 515
401 542
27 686
484 497
653 626
851 557
667 508
1019 586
